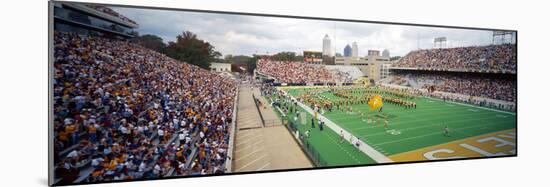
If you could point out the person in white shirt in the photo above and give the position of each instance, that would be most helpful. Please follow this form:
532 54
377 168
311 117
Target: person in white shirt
341 136
157 169
123 130
201 134
142 166
160 133
73 154
181 138
96 162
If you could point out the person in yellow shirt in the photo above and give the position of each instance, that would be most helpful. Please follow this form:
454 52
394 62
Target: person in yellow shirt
63 136
92 132
112 164
71 129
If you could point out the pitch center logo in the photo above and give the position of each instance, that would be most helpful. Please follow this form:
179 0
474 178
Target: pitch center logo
393 132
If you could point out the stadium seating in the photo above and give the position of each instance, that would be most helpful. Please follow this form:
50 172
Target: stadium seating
349 73
298 72
468 84
120 109
492 58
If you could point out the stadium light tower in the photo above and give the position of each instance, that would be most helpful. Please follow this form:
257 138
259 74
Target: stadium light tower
503 37
440 42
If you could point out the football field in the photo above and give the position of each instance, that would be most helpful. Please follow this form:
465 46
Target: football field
412 134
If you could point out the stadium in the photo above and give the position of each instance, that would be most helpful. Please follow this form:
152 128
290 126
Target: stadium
123 110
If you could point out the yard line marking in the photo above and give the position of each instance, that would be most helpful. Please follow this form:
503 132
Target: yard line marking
410 114
429 134
340 146
420 120
430 125
365 148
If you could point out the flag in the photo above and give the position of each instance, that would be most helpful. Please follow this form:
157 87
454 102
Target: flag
375 102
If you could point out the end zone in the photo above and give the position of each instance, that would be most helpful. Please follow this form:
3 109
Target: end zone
493 144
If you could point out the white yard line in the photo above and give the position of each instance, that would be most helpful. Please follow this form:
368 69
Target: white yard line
357 116
431 125
365 148
429 134
420 120
337 143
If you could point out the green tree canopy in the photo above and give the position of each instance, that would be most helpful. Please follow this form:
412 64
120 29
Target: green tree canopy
285 56
250 62
152 42
190 49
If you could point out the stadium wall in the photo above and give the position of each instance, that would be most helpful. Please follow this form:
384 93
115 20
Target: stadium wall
474 100
229 159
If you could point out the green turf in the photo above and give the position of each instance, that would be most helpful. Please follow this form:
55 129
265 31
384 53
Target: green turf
419 128
327 144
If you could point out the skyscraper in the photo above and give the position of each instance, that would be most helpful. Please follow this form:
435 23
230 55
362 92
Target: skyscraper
386 53
347 51
354 50
326 46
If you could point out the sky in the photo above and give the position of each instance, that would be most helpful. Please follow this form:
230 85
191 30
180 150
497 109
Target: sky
247 35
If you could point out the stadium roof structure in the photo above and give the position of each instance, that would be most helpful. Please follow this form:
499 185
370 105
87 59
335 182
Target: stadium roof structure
95 10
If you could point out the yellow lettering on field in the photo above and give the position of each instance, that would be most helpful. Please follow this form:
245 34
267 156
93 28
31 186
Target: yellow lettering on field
492 144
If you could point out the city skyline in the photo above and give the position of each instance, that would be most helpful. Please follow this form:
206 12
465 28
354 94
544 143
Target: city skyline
247 35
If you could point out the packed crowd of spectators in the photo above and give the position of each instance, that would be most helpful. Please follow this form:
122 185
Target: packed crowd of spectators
397 80
122 111
111 12
494 58
298 72
341 76
466 84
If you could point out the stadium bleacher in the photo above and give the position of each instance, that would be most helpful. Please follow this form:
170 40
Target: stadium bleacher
348 73
498 87
299 72
481 71
492 58
121 108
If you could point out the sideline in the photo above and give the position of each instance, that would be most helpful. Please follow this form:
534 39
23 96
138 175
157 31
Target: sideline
365 148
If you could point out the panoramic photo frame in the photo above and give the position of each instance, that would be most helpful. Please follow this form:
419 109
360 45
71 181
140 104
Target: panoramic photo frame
146 93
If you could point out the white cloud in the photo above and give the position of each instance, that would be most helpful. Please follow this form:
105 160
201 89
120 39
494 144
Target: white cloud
246 35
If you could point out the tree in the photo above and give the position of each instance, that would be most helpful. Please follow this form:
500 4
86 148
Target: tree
250 62
284 56
152 42
395 57
190 49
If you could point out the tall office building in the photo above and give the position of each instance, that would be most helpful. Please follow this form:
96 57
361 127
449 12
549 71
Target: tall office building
347 51
354 50
386 53
326 46
373 53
